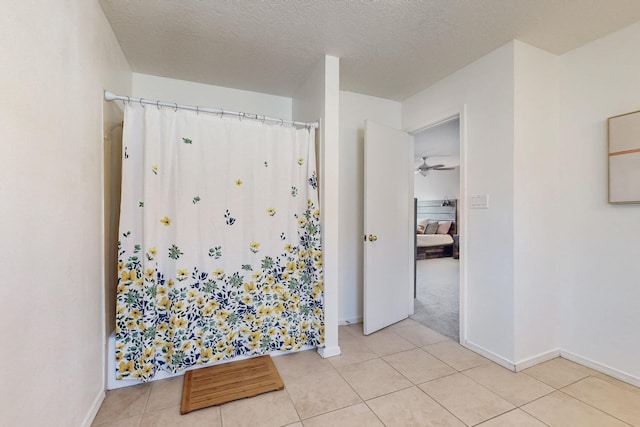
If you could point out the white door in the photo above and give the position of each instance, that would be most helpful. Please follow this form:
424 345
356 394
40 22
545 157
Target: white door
388 226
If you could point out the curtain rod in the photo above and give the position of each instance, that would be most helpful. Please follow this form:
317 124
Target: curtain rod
110 96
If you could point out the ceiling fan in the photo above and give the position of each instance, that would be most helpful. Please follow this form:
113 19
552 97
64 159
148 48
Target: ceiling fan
424 168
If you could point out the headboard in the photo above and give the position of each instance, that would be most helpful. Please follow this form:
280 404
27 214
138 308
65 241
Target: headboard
438 210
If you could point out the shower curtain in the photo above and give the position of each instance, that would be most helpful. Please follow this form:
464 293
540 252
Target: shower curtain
219 253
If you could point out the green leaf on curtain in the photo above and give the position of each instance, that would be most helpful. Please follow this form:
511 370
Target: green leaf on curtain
215 252
247 267
186 140
174 252
141 204
196 199
235 280
294 191
267 263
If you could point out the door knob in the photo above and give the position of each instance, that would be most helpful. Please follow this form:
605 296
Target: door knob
373 237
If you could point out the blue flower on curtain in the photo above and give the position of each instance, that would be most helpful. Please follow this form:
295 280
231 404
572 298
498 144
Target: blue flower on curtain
181 299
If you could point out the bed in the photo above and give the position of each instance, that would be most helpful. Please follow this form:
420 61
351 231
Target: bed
436 226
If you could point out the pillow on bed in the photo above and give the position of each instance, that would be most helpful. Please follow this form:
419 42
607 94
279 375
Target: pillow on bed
432 228
424 222
420 229
443 227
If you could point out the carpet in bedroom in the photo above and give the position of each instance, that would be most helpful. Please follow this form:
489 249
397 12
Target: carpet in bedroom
437 301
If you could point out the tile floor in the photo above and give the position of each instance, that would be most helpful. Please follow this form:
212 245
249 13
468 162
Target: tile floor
404 375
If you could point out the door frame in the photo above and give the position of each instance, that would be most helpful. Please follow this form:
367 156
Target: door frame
428 122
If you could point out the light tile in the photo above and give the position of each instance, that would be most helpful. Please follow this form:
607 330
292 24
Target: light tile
456 356
165 394
514 418
353 350
271 409
387 342
466 399
411 407
354 329
418 366
558 372
320 392
408 322
618 383
123 403
357 415
622 404
121 422
170 417
300 363
516 388
420 335
560 410
373 378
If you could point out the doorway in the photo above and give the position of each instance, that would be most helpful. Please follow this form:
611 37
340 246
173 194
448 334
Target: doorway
436 189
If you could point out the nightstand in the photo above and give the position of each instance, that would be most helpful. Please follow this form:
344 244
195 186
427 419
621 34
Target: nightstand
456 246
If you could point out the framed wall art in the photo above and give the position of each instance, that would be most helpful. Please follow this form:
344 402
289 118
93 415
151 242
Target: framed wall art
624 158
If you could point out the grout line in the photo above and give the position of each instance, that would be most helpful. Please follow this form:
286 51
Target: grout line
589 404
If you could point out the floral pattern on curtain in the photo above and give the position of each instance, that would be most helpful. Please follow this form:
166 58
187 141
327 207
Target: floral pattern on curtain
219 252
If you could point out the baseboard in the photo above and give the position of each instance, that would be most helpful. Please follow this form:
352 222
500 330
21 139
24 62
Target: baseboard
326 352
351 321
612 372
489 355
93 411
542 357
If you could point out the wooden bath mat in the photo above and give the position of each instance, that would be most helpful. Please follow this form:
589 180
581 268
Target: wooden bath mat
230 381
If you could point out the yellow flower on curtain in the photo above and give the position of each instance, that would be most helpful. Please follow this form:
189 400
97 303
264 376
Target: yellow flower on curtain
206 353
182 274
254 246
249 287
238 182
271 211
166 221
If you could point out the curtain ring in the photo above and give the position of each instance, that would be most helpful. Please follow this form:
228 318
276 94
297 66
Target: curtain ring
158 105
128 100
140 101
240 116
281 122
221 113
176 108
197 110
264 118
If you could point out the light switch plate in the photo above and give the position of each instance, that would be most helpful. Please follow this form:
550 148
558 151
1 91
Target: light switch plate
480 201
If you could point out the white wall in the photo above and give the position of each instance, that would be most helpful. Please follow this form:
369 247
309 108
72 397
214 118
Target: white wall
536 202
354 110
441 144
486 88
319 99
437 185
205 95
599 254
57 58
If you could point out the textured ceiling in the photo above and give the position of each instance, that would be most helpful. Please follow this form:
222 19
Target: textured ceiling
390 49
